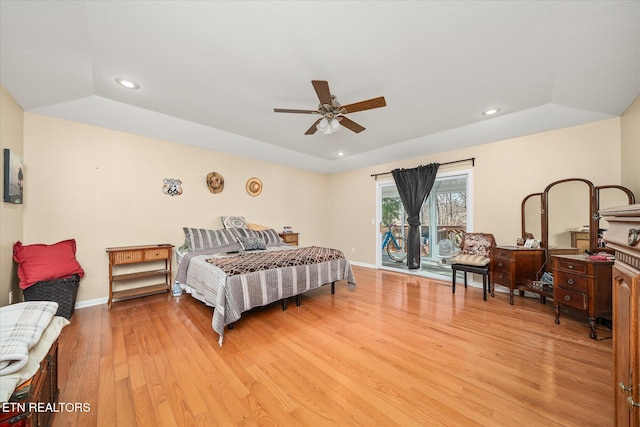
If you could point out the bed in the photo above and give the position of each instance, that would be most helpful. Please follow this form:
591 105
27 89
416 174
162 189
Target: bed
236 269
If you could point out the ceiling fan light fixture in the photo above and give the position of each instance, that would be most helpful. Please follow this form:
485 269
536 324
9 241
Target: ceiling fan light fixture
335 125
323 125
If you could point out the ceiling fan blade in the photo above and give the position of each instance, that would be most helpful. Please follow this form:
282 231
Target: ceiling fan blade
365 105
350 124
287 110
313 128
322 90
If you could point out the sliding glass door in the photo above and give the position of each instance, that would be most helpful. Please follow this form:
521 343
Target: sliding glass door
445 215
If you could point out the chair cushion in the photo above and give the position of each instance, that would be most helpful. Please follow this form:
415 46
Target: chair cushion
475 260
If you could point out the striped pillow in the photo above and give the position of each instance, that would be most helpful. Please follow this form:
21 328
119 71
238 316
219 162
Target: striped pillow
199 238
269 236
242 232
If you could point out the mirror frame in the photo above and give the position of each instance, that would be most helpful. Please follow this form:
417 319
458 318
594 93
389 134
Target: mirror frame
545 217
594 208
523 213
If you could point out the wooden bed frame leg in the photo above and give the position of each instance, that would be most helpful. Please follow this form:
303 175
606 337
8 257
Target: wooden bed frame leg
333 288
284 304
298 300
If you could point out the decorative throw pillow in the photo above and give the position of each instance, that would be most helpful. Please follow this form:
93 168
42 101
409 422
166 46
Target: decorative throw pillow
199 239
46 262
270 236
233 222
252 243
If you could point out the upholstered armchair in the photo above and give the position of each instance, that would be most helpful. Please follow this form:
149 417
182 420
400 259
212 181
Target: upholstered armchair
474 257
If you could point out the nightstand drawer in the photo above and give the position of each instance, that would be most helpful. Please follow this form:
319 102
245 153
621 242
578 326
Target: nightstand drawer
571 281
577 300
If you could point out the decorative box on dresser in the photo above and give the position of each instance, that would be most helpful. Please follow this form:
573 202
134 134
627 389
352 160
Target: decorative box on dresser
584 284
514 266
623 236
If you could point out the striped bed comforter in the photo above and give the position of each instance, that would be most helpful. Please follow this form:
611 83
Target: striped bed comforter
233 284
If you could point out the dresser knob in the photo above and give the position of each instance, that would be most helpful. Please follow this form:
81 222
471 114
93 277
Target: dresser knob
499 264
571 281
570 267
567 298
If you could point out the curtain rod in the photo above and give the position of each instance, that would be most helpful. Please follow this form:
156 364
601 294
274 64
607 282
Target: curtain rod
471 159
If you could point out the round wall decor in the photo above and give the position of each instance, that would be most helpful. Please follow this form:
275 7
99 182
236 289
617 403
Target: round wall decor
254 186
215 182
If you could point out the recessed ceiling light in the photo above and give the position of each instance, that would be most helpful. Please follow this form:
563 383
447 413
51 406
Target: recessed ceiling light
340 153
127 83
491 112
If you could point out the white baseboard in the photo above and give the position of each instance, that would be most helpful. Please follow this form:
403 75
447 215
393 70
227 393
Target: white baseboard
91 302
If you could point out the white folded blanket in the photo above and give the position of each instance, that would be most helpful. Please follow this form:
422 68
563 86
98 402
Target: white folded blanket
21 326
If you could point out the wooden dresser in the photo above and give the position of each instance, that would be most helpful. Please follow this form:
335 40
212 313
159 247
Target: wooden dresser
580 241
623 236
513 266
582 284
32 402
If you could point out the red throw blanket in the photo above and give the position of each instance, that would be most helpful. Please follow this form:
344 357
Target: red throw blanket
256 261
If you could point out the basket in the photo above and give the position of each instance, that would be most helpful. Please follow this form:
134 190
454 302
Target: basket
63 291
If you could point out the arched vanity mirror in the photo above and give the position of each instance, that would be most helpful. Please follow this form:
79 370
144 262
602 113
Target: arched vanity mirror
531 212
609 196
567 222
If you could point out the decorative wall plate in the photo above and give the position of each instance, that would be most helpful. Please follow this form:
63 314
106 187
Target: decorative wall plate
254 186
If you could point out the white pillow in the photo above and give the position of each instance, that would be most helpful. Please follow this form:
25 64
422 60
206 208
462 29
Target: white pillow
233 222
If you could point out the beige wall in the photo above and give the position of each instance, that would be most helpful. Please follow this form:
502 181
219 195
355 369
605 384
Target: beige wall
11 124
504 173
104 188
630 125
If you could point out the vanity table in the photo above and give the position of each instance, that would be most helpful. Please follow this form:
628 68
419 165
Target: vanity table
515 267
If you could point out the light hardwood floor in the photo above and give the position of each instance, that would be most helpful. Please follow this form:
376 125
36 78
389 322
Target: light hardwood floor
397 350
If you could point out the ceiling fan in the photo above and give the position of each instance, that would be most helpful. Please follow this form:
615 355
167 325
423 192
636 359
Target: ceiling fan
333 114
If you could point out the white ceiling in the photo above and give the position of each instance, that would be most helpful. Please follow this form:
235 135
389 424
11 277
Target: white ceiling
211 72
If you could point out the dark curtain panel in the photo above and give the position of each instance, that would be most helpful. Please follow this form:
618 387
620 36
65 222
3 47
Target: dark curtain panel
414 185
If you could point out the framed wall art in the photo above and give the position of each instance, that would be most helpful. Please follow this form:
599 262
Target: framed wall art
13 191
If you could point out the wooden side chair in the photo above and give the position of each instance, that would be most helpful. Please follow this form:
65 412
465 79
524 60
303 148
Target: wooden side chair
474 257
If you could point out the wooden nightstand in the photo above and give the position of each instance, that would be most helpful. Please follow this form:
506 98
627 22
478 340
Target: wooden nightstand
290 238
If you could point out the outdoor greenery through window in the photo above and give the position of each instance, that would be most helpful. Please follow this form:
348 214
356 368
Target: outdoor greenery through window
443 215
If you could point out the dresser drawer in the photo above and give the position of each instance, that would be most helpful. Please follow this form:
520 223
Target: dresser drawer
577 300
501 253
571 281
502 277
502 265
571 265
153 254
